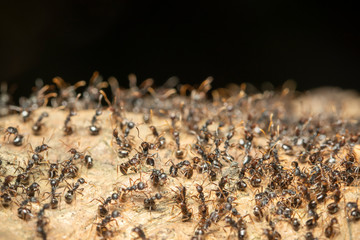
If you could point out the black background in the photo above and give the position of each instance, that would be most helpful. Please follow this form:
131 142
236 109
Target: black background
314 43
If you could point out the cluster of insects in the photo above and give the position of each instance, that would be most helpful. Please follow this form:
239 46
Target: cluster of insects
233 164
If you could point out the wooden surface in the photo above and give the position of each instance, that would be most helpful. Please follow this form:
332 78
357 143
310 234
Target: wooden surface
78 220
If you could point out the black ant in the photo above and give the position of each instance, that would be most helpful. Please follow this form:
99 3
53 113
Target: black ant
158 177
53 194
30 191
179 154
102 230
42 221
68 130
310 236
24 212
38 124
102 208
139 232
333 208
69 196
24 112
352 210
5 200
181 200
123 150
132 163
93 128
149 202
17 141
329 230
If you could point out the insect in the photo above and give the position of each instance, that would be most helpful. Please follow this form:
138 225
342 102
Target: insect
42 221
179 153
69 196
5 199
94 128
101 228
149 202
68 129
23 211
36 128
158 177
102 208
123 150
25 113
132 164
352 211
329 230
141 234
332 208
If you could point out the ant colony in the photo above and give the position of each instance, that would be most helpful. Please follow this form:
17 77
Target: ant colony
93 160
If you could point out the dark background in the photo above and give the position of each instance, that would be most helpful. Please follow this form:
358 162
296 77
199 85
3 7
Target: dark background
314 43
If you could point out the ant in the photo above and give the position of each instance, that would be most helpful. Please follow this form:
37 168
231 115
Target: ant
68 130
53 194
139 232
101 228
179 154
135 186
333 208
5 200
102 208
69 196
17 141
123 150
24 212
132 163
42 221
38 124
30 191
181 200
329 230
158 177
24 112
187 168
160 140
93 128
221 193
310 236
149 202
352 211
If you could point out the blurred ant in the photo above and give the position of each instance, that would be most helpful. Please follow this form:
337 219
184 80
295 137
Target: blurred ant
5 199
271 233
179 153
329 230
24 212
42 221
139 232
68 129
25 112
93 128
38 124
352 211
160 140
